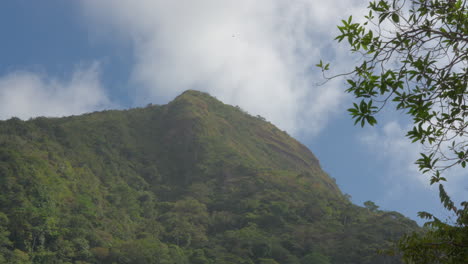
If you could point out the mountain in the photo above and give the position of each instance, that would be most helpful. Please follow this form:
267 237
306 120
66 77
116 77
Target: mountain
194 181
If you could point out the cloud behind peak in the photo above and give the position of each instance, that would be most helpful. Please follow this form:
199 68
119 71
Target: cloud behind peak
255 54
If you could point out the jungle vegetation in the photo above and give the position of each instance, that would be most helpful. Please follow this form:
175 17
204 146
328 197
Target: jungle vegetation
194 181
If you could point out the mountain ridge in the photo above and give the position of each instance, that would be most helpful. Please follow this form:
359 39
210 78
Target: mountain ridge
193 181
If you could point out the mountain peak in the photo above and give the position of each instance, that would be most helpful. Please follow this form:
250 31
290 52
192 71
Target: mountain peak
245 138
193 96
192 104
194 93
193 181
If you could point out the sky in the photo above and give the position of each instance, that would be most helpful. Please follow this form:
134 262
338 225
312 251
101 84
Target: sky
62 58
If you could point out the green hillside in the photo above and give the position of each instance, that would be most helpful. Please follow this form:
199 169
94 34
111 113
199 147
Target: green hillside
194 181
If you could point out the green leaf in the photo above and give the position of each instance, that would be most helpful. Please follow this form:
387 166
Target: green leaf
382 17
319 64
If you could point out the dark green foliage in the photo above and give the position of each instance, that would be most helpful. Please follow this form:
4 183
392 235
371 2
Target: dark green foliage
194 181
315 258
371 206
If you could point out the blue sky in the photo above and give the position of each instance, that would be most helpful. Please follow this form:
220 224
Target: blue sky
69 57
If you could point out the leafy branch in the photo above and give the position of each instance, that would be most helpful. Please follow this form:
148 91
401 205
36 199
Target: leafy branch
414 55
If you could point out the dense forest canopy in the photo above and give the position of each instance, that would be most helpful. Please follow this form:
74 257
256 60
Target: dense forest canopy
193 181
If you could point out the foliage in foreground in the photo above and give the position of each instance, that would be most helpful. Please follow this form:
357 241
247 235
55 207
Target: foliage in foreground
415 55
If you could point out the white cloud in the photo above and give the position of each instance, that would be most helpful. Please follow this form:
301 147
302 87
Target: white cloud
259 55
28 94
401 175
389 143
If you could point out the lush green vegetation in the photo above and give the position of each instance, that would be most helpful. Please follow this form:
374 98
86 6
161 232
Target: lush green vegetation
195 181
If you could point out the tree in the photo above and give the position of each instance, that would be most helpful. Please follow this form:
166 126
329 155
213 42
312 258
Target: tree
371 206
315 257
414 55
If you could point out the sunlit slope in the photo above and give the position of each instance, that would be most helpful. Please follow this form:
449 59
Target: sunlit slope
193 181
